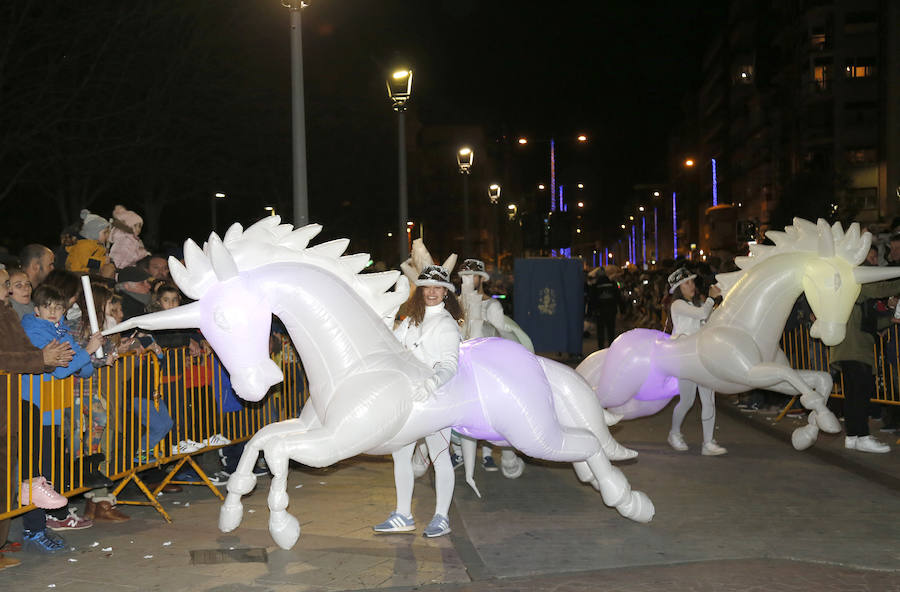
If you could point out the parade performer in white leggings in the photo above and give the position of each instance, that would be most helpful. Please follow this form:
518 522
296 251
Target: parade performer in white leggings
431 332
484 318
688 315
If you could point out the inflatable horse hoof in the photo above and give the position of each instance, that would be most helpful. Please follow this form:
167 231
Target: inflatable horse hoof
804 437
638 508
827 421
512 469
230 516
285 530
620 452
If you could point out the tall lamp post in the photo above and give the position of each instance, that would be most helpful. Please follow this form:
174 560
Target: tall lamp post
399 87
298 114
494 196
465 157
212 209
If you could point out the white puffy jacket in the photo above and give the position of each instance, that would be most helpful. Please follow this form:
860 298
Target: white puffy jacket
435 341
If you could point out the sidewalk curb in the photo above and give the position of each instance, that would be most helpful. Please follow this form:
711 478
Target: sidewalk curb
887 480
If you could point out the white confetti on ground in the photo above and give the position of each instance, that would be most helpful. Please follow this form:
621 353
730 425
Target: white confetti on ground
51 585
321 483
148 556
251 510
106 549
72 560
177 503
187 504
167 543
95 544
299 486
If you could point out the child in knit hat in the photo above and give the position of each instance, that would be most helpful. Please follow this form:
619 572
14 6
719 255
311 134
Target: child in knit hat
89 254
127 249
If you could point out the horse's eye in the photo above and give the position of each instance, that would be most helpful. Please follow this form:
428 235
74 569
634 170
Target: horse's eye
221 320
837 282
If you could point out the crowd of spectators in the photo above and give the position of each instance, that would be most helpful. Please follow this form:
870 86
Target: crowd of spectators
47 333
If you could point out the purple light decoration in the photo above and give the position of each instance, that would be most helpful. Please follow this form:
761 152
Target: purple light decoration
644 240
605 255
562 203
552 175
674 228
633 245
655 236
715 184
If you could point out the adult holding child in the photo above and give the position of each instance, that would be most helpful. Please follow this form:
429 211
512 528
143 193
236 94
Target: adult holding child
18 355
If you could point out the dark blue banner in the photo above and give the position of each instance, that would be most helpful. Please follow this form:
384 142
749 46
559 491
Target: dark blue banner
549 303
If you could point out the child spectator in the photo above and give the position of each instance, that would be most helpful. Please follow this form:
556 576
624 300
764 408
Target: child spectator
127 249
43 327
20 292
69 285
88 255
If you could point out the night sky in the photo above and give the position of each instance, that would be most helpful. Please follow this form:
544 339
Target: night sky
213 81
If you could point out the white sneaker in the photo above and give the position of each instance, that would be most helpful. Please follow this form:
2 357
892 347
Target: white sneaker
216 440
676 441
186 447
712 449
865 444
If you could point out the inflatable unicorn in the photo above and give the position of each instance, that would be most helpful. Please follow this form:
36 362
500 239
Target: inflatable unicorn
361 379
738 348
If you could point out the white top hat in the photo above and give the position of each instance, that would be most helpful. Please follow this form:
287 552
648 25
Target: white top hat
473 267
435 275
678 277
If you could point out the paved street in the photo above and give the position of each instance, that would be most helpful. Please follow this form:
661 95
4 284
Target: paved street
763 517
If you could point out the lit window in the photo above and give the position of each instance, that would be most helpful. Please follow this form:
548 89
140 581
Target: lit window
822 73
860 68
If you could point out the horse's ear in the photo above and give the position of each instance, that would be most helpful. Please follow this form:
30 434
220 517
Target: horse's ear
222 262
826 239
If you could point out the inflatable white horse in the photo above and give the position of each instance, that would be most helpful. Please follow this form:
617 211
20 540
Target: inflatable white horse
738 348
361 379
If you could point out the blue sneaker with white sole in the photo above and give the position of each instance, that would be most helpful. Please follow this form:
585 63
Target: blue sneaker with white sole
439 526
396 522
43 542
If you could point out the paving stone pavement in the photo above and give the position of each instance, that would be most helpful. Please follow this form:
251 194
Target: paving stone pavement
762 517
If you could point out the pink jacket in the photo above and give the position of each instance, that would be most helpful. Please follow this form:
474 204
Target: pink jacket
126 249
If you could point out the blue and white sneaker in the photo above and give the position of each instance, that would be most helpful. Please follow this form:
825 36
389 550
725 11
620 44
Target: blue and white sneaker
489 465
439 526
396 522
456 459
42 541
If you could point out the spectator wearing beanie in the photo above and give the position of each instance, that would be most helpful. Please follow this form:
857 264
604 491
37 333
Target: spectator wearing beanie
88 255
127 249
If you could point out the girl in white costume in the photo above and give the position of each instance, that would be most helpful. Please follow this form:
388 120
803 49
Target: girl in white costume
485 318
687 318
431 332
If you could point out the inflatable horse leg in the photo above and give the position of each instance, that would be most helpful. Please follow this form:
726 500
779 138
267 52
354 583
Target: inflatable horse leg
577 405
469 452
242 481
357 420
616 492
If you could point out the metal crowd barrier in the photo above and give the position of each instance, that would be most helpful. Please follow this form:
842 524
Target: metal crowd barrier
108 414
807 353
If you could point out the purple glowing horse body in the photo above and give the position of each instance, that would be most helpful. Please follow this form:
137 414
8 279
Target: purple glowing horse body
361 379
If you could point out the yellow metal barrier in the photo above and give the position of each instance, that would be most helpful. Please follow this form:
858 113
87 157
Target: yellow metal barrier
112 412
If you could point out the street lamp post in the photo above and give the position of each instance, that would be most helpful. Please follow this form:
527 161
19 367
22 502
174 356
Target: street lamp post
465 157
494 196
212 209
399 87
298 114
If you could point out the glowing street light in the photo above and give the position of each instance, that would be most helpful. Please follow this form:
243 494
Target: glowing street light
270 209
656 194
465 158
581 185
581 204
582 138
399 88
494 193
640 208
541 186
689 162
523 141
